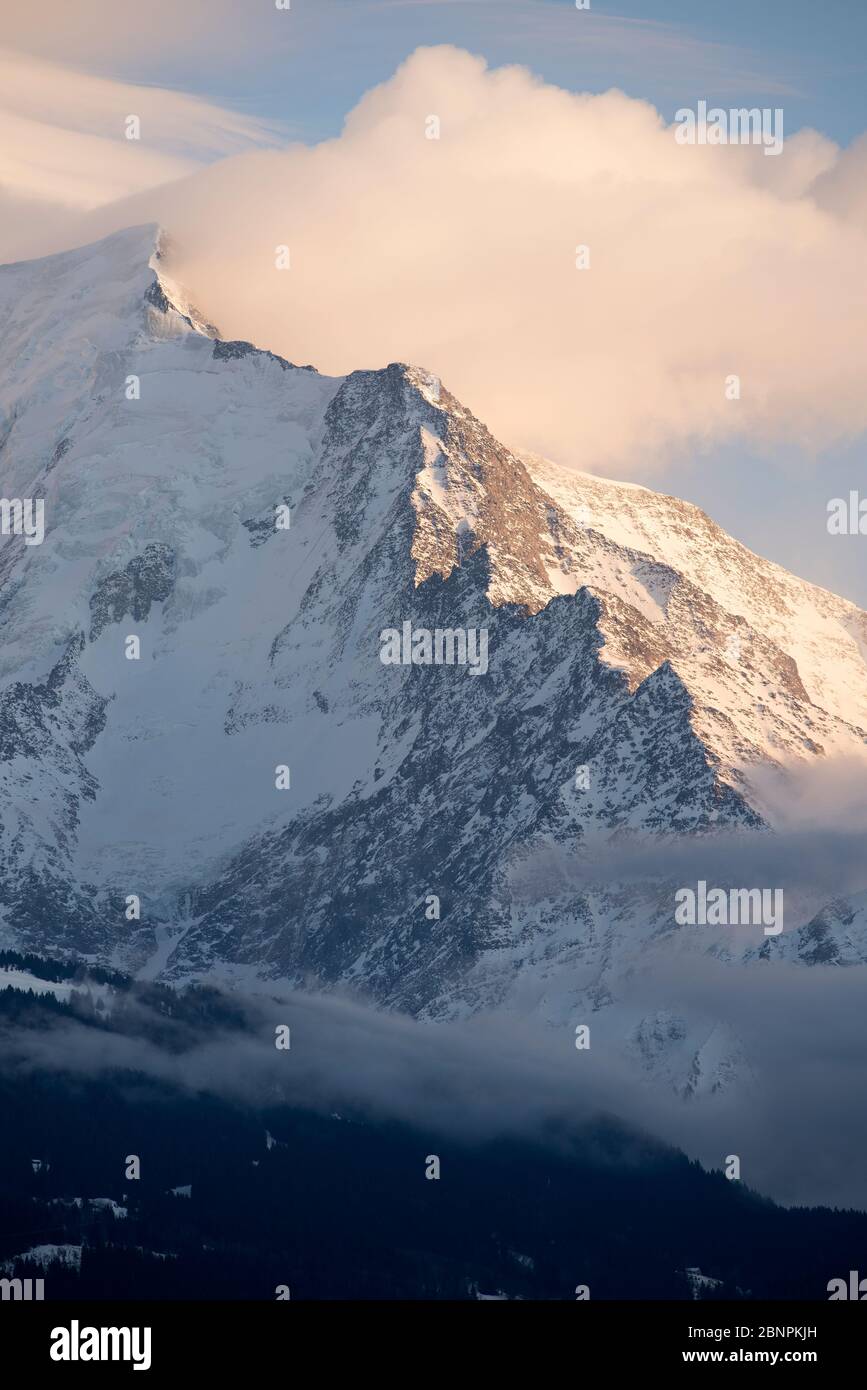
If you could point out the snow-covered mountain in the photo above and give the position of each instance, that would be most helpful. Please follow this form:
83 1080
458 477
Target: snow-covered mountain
643 667
837 935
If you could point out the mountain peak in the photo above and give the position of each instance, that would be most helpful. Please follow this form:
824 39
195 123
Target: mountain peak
258 529
131 248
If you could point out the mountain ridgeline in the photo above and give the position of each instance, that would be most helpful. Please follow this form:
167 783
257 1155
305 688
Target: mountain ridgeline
209 772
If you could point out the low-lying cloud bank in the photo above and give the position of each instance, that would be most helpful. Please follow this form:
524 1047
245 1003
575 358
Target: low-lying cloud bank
459 253
798 1129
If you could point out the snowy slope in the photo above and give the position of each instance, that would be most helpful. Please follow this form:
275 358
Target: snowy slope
627 635
835 936
755 643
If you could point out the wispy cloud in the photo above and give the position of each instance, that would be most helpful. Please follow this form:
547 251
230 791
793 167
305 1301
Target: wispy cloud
218 33
651 49
63 134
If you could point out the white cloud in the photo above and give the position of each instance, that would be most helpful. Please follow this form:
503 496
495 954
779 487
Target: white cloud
459 254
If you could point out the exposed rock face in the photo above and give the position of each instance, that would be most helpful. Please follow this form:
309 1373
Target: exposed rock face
836 936
641 665
147 579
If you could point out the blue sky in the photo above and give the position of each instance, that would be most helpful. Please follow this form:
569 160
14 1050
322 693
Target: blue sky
307 66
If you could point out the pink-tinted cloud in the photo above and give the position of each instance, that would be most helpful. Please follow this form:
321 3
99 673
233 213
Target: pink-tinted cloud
459 253
63 134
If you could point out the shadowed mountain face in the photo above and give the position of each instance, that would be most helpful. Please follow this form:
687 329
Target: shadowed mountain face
257 528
